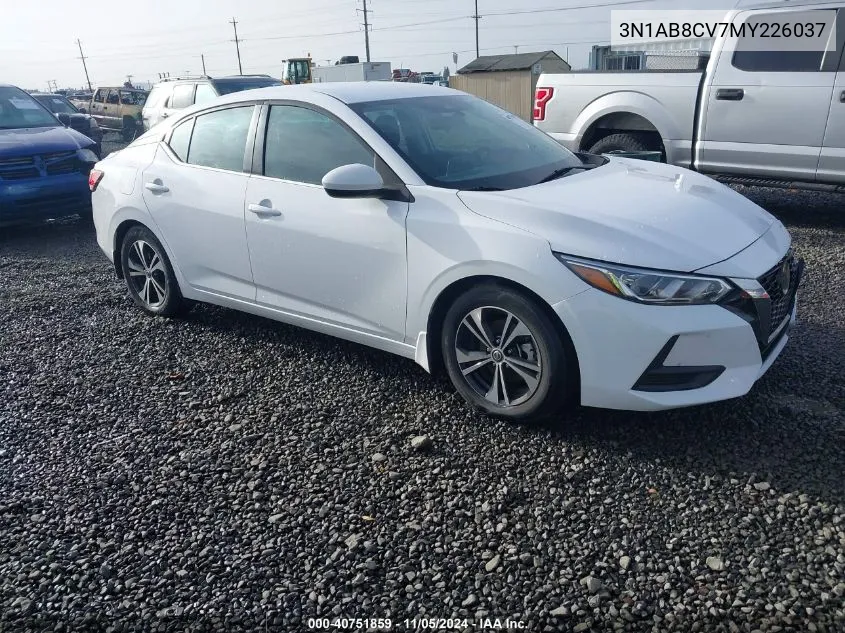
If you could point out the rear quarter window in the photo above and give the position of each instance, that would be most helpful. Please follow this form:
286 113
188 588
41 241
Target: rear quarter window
157 97
183 96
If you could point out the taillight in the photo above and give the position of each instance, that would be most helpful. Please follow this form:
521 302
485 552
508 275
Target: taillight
541 98
94 178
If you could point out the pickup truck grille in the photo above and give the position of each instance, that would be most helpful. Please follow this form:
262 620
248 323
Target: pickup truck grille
39 165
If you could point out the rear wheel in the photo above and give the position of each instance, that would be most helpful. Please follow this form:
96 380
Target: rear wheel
149 275
626 142
505 356
129 130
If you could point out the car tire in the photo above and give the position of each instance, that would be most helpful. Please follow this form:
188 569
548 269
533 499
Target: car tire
528 371
128 132
624 142
149 275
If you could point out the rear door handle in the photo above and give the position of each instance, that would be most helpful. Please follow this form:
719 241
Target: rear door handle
263 210
730 94
156 187
842 97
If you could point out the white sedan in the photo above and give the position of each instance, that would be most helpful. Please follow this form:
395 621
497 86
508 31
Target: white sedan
431 224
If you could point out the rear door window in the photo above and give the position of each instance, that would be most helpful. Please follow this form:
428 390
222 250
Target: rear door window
219 138
113 98
180 139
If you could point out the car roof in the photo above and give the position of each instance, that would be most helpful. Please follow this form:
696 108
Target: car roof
347 92
46 94
120 88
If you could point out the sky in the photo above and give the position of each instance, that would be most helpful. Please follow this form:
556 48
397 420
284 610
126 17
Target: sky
142 38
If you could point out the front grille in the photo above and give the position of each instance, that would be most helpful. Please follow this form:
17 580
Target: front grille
780 287
50 164
19 168
58 163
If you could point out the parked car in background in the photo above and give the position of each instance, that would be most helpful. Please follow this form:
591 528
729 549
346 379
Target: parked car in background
118 109
752 117
171 96
44 165
68 114
429 223
80 100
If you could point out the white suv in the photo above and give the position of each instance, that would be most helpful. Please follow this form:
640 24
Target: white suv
172 95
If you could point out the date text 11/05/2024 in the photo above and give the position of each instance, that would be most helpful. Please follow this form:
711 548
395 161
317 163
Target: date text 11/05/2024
415 624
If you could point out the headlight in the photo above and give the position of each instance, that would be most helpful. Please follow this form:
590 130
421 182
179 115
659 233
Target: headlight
87 156
648 286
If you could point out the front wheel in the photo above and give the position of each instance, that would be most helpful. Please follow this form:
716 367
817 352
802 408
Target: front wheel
148 274
505 356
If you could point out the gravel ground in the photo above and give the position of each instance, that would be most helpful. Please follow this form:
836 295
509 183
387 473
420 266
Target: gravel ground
225 472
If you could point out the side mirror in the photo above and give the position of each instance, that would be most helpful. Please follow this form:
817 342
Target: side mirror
83 110
353 181
64 118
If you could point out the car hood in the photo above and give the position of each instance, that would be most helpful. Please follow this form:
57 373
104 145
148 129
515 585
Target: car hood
38 140
632 212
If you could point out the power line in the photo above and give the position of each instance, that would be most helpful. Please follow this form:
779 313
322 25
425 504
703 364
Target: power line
234 24
84 66
572 8
383 28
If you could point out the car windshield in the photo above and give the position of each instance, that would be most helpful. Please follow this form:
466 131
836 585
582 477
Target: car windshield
56 104
19 110
462 142
298 70
228 87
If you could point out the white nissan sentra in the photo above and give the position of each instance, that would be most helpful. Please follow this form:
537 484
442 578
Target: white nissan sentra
428 223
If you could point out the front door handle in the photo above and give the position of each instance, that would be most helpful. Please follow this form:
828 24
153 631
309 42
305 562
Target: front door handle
730 94
842 97
264 209
156 187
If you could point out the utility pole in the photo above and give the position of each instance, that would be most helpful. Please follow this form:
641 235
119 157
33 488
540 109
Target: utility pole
366 13
476 17
203 64
82 57
516 48
234 24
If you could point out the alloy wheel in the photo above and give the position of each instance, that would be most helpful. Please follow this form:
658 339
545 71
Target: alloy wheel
498 356
147 274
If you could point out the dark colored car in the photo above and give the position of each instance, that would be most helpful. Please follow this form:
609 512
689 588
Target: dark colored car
44 165
70 115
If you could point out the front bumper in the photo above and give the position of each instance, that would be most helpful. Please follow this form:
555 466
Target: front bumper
619 341
44 198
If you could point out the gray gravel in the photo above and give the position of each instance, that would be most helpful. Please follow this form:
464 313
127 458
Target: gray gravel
224 472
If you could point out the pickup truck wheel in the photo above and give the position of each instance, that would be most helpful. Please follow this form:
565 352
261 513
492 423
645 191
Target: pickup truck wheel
625 142
128 131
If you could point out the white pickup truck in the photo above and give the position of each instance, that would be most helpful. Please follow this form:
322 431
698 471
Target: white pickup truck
751 117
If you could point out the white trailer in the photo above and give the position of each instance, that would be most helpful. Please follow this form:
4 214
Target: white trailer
364 71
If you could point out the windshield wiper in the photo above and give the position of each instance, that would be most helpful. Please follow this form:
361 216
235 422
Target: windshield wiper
559 173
